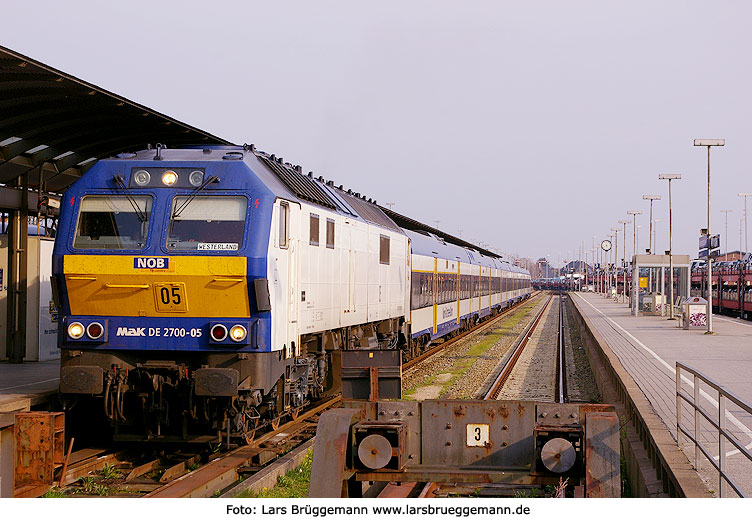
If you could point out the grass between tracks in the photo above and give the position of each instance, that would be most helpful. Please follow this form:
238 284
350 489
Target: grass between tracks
294 484
475 351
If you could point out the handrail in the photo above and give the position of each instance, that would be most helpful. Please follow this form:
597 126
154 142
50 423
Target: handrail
723 435
127 286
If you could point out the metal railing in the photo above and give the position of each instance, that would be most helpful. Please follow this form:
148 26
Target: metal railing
723 434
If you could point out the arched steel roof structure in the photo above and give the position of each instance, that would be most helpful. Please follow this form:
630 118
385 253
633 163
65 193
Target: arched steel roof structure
54 126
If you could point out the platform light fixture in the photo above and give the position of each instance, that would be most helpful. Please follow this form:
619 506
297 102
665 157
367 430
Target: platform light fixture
634 239
634 230
650 235
746 248
709 142
726 212
624 260
616 261
670 241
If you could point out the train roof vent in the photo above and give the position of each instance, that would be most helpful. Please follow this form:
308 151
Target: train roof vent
369 212
303 186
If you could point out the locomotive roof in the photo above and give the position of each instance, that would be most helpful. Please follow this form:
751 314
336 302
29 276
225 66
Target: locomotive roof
323 193
287 181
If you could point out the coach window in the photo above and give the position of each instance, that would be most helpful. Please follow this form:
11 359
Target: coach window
384 250
313 237
113 222
330 233
284 224
207 223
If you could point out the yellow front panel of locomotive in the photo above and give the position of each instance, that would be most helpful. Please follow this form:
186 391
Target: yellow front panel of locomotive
110 285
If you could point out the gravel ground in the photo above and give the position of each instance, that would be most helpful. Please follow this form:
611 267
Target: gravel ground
581 385
461 370
534 375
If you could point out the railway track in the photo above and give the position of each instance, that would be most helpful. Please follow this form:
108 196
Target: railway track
126 472
186 473
548 362
446 344
506 370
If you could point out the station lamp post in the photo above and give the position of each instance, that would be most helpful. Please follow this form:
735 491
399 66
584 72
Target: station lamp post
709 143
745 195
670 242
616 231
634 229
726 212
634 241
650 235
624 260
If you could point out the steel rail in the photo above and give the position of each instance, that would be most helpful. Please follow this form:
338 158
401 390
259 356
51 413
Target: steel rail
222 471
444 345
561 386
503 375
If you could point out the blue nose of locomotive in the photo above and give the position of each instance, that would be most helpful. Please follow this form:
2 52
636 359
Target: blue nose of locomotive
166 254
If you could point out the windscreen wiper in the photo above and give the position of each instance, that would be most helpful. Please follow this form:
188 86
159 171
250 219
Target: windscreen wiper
140 214
193 195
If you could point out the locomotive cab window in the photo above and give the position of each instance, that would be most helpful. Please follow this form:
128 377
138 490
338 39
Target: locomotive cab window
284 224
207 223
113 222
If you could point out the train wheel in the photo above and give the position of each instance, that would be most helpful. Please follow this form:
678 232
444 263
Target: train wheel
250 434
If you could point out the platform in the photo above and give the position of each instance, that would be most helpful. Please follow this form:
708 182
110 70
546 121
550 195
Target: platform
23 386
648 348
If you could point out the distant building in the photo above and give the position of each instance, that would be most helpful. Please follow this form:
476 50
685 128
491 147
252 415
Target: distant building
730 256
543 269
576 266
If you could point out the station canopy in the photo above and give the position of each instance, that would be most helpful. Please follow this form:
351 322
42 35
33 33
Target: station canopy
53 126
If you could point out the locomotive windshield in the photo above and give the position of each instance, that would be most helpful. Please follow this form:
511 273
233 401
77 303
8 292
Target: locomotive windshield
207 223
113 222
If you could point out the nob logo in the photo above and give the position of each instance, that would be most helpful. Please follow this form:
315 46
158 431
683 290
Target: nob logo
151 262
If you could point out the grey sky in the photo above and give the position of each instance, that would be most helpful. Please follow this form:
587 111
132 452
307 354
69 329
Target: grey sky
531 126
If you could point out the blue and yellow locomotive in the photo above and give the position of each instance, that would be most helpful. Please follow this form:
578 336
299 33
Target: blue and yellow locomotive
213 290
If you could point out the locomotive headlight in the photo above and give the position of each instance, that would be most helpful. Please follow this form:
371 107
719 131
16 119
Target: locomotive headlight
237 333
195 178
94 330
169 178
218 333
141 177
76 330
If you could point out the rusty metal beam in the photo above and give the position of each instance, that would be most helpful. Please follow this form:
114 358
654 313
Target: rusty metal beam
447 474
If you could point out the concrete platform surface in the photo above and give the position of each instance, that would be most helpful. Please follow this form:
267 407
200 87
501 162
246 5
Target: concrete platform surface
648 348
25 385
